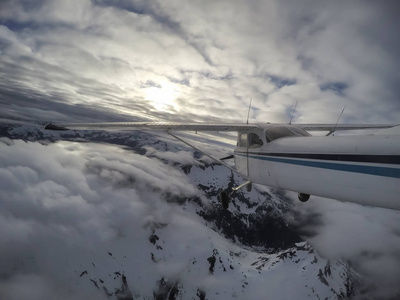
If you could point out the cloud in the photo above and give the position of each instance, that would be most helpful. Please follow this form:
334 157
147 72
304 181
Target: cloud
182 157
367 237
63 203
213 56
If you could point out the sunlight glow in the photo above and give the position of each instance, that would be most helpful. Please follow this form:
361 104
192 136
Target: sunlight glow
162 98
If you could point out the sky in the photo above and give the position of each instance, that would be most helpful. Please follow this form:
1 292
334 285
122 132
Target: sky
200 60
103 60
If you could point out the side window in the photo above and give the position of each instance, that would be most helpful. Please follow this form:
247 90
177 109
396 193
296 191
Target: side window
254 141
250 140
243 140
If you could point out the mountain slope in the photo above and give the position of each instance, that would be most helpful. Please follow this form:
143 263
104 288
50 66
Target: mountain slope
149 226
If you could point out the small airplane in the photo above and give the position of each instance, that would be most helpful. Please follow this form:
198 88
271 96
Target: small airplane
363 169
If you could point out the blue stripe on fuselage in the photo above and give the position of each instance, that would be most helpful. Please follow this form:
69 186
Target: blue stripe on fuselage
346 167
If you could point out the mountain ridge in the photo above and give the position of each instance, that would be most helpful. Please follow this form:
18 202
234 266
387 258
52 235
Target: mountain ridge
250 250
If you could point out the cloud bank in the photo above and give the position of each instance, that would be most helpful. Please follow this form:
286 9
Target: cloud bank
66 205
368 237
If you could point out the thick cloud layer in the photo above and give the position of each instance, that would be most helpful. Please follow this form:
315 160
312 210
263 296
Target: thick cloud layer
201 60
368 237
66 205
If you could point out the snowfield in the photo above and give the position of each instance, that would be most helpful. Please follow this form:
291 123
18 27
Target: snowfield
118 216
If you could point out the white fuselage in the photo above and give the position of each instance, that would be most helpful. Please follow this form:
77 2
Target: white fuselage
361 169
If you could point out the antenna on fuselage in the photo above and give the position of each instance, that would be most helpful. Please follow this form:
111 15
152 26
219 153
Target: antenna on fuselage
337 122
248 112
294 109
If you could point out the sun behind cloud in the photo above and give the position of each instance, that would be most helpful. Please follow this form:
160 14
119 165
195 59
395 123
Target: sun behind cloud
162 97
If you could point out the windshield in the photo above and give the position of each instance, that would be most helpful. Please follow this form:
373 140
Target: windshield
277 132
299 131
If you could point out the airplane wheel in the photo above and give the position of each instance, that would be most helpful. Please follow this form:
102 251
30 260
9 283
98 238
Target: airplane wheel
249 187
224 199
303 197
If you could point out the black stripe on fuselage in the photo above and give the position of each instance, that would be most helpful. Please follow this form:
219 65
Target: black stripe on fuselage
362 158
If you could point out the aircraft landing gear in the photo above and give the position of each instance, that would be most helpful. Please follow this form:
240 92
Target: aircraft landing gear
303 197
225 197
249 186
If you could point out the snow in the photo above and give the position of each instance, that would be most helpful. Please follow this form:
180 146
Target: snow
100 215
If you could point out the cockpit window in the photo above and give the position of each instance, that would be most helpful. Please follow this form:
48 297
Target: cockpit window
251 140
274 133
254 141
299 131
277 132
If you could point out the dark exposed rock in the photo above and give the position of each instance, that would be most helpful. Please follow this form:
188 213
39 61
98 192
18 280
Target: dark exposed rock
124 293
186 169
287 254
315 260
322 278
211 261
121 293
166 290
95 283
201 294
83 273
255 230
327 269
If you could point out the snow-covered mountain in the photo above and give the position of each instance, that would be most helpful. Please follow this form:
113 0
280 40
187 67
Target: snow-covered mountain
187 246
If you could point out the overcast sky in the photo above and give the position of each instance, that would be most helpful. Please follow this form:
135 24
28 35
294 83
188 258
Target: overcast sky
105 60
200 60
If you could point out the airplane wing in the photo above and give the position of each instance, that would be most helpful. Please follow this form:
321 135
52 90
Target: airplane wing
153 126
169 126
203 126
159 126
333 127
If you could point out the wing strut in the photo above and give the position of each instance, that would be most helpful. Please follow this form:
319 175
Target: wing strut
201 151
224 196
